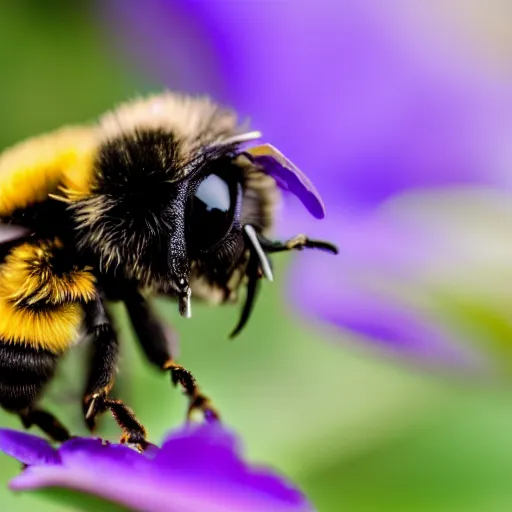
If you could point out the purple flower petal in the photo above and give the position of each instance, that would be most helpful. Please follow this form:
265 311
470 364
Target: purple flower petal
213 453
374 288
198 469
288 177
27 448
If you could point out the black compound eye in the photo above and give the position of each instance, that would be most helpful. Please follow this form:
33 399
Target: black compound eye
212 211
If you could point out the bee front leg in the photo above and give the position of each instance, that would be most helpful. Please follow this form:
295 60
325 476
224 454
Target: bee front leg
156 341
298 242
101 378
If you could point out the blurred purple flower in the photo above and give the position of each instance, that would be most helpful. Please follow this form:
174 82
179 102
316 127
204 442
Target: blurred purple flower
370 101
362 95
198 469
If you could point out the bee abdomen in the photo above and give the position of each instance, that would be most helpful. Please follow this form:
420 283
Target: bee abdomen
23 373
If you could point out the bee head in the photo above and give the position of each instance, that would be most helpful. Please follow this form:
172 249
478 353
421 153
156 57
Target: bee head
160 215
175 202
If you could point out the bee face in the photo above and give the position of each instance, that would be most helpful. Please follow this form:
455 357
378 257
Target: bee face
154 216
167 196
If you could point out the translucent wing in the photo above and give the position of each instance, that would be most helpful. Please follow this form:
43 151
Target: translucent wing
10 233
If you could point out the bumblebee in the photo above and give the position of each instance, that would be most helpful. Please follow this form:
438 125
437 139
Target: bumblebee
165 195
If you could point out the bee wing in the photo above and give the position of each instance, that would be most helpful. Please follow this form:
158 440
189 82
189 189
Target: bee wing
288 176
10 233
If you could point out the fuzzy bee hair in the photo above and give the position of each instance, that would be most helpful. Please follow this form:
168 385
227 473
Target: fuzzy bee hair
195 122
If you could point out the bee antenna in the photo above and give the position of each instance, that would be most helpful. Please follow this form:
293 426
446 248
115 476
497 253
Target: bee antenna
265 264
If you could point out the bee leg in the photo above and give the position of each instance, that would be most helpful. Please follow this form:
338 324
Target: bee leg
134 432
197 400
157 342
298 242
101 378
47 422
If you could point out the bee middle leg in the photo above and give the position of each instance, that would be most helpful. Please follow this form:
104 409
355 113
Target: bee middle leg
298 242
101 378
156 342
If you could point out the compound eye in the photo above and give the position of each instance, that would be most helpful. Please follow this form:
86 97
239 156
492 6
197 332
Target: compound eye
212 211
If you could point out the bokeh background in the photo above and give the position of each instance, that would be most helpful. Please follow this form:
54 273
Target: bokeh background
356 428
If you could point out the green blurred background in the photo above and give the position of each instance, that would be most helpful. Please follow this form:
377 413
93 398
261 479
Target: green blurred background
356 431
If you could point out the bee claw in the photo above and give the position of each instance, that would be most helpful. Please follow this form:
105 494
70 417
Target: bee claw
197 401
90 409
202 404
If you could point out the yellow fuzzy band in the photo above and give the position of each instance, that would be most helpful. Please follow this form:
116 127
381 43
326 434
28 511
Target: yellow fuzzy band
27 276
52 329
32 169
